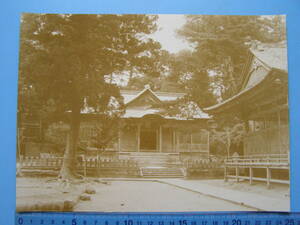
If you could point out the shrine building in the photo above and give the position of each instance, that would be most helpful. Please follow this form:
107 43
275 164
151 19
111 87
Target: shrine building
148 129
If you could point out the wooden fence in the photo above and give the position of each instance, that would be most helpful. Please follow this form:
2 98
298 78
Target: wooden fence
186 147
204 167
266 162
87 167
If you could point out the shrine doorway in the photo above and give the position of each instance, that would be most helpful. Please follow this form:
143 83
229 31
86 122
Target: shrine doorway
148 140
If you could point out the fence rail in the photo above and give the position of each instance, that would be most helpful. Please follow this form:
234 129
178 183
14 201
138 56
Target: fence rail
251 162
259 161
84 166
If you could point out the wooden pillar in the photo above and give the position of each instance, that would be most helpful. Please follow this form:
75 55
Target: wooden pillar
279 132
177 142
174 141
160 138
138 137
190 148
268 177
119 140
208 149
237 174
18 143
228 141
225 173
251 175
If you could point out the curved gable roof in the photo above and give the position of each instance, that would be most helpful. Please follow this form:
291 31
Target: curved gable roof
269 58
140 95
275 58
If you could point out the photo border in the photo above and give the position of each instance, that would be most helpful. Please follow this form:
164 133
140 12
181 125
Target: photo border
9 23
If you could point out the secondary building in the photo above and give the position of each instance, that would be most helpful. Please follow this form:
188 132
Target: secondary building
262 103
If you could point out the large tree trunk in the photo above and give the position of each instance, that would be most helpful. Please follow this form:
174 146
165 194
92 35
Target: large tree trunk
68 169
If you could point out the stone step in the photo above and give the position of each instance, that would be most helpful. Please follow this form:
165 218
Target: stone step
161 172
148 159
164 177
159 164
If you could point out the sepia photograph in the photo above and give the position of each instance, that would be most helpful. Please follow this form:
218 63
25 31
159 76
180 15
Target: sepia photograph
152 113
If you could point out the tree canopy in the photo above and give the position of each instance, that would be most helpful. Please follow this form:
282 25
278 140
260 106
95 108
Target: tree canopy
222 43
64 58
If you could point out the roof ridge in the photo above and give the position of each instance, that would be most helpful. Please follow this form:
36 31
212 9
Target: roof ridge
147 88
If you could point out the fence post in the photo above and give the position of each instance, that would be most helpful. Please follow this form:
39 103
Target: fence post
268 177
225 173
84 164
237 173
250 175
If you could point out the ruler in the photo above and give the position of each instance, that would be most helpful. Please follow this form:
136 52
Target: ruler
157 219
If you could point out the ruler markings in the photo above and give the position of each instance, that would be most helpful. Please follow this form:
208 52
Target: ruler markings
156 219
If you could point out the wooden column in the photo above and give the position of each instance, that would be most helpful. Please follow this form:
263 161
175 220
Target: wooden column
138 137
208 150
251 175
237 174
119 140
160 138
228 141
177 143
190 149
174 141
279 132
268 177
225 173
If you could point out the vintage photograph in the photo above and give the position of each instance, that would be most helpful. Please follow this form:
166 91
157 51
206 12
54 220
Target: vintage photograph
152 113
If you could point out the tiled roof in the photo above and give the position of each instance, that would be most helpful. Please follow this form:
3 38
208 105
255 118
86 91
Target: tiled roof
272 57
162 96
139 112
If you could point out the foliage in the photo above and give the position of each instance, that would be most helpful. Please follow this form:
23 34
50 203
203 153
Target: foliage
227 139
107 125
152 71
64 58
66 54
221 45
191 77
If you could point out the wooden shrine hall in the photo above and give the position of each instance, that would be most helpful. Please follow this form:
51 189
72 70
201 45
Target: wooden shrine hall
262 104
147 127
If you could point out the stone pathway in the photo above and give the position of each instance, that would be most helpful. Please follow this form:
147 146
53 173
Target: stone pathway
260 201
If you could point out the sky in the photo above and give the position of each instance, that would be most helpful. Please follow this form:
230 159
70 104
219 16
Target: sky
166 34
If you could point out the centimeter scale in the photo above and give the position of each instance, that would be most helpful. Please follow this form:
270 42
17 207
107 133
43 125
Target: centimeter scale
157 218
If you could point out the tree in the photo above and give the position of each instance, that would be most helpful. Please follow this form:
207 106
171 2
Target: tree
188 72
223 140
222 43
149 69
65 57
107 125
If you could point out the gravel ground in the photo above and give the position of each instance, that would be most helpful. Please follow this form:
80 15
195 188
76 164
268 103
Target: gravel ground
44 194
276 191
147 196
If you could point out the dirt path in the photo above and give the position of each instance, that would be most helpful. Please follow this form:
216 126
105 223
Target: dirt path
146 196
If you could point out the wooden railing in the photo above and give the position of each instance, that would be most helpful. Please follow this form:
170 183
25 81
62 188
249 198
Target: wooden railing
186 147
203 164
259 161
266 162
204 167
87 167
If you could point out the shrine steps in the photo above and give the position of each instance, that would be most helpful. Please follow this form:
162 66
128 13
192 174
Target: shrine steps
162 172
153 159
